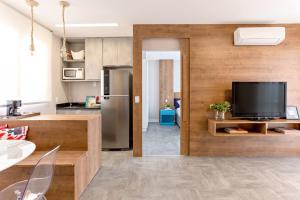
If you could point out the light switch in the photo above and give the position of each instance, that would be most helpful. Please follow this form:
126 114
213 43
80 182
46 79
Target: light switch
136 99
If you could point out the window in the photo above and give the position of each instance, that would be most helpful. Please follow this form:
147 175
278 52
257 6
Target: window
23 76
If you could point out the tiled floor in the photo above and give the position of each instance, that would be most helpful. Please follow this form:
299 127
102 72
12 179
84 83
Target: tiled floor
123 177
161 140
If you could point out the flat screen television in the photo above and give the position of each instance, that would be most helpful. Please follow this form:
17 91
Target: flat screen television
259 99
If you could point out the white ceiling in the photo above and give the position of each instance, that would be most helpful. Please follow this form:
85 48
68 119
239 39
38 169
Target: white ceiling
129 12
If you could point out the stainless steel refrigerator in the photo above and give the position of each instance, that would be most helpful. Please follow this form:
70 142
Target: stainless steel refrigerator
116 107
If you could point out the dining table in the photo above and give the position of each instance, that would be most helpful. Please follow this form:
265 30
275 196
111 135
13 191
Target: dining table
14 151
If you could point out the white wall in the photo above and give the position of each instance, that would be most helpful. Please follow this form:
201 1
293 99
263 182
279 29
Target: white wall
176 75
161 44
78 91
19 25
145 95
59 89
153 82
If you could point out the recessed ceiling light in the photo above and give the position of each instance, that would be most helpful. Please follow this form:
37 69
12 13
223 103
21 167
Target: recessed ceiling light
89 25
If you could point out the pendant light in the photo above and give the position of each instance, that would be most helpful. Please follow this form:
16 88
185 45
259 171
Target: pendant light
32 4
63 51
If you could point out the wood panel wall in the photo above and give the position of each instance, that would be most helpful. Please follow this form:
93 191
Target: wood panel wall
166 89
214 63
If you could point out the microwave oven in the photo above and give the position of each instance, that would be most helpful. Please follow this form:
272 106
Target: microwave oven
73 73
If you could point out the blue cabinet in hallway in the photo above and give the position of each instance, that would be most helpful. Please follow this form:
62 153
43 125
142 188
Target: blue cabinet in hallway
167 117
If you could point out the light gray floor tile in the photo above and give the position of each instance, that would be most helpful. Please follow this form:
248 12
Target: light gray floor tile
161 140
123 177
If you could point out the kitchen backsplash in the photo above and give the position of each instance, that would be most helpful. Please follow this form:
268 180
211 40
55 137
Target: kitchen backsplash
77 92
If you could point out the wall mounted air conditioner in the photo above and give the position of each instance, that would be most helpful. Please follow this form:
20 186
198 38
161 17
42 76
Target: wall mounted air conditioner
259 36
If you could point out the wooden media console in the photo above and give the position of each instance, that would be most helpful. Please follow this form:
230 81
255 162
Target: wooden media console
254 128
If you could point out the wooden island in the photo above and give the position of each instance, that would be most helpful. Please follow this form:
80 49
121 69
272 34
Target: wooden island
77 161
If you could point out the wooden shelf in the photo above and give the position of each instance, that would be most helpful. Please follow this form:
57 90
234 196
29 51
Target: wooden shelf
224 134
254 128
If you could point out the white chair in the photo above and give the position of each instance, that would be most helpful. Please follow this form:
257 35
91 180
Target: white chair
38 183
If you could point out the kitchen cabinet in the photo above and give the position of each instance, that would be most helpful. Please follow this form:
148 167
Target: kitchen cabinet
110 54
125 51
93 58
117 51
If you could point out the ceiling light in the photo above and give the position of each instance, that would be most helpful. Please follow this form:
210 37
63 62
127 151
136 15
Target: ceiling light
89 25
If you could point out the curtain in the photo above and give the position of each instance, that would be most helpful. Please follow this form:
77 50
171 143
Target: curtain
22 75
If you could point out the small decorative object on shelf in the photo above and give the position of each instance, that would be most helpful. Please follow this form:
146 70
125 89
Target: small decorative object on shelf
69 55
292 112
79 55
220 109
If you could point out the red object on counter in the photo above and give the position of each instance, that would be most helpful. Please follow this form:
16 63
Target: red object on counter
97 99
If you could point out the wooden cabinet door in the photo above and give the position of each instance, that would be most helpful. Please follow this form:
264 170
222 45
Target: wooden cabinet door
93 58
124 51
110 51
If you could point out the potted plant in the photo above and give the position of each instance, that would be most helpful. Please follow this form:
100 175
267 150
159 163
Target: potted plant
168 106
220 109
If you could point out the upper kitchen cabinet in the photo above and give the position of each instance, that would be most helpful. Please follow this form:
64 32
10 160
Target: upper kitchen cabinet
93 58
125 56
110 52
117 51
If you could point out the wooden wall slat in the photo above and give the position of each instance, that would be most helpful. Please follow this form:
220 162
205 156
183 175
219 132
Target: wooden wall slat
166 90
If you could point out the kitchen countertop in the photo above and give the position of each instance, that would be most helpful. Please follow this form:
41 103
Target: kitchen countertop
61 118
75 106
22 116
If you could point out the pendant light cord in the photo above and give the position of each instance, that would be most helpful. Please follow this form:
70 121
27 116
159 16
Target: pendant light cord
64 48
64 26
32 40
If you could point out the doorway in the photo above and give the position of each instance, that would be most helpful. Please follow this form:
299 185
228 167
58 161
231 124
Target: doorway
142 32
161 81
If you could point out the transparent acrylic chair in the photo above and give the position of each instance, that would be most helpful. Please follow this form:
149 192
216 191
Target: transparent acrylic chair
38 183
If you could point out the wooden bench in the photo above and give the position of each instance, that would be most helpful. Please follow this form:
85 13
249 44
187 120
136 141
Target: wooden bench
77 161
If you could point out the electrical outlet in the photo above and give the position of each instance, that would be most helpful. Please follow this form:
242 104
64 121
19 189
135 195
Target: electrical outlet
137 99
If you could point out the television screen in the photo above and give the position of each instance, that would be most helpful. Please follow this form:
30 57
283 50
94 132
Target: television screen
259 99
